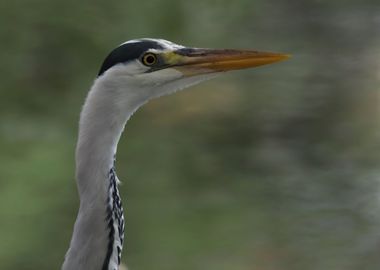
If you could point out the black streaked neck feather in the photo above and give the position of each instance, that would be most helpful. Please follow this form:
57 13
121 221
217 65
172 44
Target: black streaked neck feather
115 218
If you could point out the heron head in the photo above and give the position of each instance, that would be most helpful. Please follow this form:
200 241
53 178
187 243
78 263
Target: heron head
157 67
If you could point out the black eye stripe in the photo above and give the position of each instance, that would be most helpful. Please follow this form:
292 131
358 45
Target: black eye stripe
128 52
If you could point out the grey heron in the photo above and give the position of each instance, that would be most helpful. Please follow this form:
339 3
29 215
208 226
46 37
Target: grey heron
131 75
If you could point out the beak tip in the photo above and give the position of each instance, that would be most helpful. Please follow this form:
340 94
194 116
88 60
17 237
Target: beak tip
284 56
277 57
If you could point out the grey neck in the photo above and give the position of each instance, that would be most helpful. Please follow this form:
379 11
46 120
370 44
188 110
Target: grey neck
99 228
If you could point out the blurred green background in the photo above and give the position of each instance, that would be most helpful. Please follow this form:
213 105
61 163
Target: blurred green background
275 168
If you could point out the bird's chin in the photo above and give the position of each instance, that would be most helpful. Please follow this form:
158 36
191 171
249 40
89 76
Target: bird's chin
182 82
193 71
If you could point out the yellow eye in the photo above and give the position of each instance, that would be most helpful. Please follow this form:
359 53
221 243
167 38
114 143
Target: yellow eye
149 59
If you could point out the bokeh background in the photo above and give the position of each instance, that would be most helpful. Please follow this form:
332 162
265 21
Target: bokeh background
275 168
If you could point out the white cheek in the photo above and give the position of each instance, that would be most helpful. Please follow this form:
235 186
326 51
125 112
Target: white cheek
130 68
160 77
135 67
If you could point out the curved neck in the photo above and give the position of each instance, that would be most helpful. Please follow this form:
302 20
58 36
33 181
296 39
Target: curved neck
98 231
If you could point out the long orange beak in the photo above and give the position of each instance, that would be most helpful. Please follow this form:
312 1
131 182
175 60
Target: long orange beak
192 61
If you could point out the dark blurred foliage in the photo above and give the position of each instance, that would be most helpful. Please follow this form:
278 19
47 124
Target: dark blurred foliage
269 169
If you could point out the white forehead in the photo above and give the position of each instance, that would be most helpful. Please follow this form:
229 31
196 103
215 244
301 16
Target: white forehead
168 45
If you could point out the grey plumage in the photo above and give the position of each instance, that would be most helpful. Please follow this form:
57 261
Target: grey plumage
134 73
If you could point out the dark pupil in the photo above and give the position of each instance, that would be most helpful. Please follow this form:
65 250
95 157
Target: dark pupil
150 59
